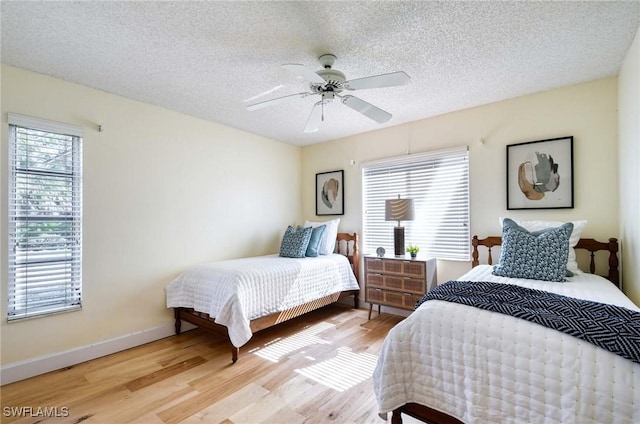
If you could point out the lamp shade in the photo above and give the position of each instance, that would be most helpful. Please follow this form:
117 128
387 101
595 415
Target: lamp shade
399 210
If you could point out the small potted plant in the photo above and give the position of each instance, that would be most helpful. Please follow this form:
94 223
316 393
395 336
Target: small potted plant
413 251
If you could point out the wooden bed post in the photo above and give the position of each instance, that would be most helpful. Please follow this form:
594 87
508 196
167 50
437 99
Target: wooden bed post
356 270
474 254
351 239
178 323
396 417
614 274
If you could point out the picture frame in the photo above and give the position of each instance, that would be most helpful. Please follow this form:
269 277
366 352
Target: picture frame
330 193
540 174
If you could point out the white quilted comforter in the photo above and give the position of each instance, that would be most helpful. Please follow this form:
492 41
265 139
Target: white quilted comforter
236 291
484 367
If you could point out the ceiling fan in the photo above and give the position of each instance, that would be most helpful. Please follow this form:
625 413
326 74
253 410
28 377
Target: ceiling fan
329 84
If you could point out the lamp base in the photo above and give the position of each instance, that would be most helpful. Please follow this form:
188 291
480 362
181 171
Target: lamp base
398 240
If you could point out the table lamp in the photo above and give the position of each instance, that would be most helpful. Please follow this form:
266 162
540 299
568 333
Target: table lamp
398 210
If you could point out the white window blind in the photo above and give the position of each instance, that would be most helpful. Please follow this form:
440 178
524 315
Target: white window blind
45 217
438 182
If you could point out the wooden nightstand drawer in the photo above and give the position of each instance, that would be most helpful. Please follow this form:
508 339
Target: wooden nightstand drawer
397 282
392 298
408 268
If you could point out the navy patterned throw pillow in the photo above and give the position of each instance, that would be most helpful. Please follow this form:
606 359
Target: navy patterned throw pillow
539 255
294 243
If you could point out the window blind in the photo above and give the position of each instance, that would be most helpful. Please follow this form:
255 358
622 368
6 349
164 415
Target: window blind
438 182
45 217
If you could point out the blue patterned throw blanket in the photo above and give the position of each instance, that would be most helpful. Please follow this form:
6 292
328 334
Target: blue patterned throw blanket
610 327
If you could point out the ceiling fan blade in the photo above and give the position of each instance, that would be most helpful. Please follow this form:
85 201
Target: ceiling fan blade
313 123
277 100
304 72
367 109
263 94
393 79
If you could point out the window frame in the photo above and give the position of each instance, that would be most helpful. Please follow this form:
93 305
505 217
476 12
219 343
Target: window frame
416 176
51 258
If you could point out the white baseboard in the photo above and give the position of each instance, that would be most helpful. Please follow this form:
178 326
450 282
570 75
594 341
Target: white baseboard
21 370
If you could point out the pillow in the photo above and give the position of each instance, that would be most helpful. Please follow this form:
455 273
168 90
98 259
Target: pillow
578 226
295 242
539 255
314 241
328 242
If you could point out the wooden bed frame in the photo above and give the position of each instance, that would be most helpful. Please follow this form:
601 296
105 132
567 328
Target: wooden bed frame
346 244
432 416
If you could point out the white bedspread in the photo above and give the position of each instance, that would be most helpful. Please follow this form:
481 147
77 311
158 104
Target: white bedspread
485 367
237 291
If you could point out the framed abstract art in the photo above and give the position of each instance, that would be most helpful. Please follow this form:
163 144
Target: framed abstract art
330 193
540 174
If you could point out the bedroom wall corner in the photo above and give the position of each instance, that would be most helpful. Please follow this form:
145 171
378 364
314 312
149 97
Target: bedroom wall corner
162 191
629 169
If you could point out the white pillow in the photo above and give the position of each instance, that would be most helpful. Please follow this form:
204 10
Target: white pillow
578 226
328 242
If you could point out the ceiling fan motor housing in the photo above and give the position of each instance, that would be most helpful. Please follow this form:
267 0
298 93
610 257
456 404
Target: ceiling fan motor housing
334 79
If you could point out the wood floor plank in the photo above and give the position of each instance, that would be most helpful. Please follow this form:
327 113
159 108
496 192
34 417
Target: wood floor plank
147 402
212 391
259 411
219 411
171 370
313 369
285 416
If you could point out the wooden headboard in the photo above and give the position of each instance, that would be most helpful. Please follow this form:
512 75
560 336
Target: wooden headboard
347 244
591 245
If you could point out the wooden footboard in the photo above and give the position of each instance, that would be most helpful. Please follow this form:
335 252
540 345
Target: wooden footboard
347 244
422 413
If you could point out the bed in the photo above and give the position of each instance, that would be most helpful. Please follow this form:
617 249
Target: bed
221 296
452 363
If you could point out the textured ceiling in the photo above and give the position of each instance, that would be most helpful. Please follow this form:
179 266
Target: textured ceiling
211 59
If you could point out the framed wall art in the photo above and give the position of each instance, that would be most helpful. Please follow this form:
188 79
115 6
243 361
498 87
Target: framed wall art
330 193
540 174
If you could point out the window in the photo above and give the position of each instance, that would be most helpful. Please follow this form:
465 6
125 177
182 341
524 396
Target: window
45 217
438 182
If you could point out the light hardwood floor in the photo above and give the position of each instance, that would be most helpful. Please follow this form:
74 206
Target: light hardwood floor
314 369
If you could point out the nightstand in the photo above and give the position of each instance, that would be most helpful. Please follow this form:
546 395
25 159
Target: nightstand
396 281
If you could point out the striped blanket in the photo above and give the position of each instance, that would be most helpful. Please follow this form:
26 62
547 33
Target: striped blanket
610 327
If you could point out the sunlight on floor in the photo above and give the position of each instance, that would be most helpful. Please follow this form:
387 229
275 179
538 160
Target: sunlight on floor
342 372
276 349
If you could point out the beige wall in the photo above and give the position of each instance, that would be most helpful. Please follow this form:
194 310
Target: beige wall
629 157
586 111
162 191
